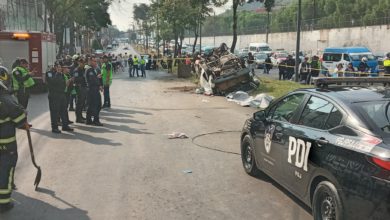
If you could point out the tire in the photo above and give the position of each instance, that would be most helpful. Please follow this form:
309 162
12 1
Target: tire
248 157
327 204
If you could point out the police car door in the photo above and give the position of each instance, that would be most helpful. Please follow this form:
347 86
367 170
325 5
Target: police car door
276 130
308 137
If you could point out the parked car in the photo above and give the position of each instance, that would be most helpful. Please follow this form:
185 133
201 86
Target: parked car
260 59
328 146
278 57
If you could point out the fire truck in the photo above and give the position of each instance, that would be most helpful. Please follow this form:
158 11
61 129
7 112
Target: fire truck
37 47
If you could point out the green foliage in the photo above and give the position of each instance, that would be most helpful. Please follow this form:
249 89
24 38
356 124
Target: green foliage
96 45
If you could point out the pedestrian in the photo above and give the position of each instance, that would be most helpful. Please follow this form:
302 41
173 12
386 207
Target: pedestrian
315 68
304 68
107 81
349 71
130 62
142 65
188 60
149 63
135 65
290 67
68 89
12 116
267 64
155 62
125 59
94 98
339 71
81 90
363 67
282 70
251 61
22 82
56 84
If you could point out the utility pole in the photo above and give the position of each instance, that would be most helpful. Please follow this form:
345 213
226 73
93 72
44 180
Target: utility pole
158 32
298 40
214 28
200 35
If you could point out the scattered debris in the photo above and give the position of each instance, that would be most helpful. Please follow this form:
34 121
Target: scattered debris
177 135
187 171
243 99
205 100
199 90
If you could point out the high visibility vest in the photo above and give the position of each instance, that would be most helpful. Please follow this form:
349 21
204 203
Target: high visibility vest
142 62
135 61
105 73
386 63
26 84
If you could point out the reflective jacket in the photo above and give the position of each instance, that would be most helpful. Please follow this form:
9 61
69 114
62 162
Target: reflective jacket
135 61
21 78
107 70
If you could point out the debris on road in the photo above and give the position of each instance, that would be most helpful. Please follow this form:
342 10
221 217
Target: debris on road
243 99
223 72
177 135
205 100
187 171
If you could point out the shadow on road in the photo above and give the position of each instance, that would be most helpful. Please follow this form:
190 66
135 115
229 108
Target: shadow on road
126 129
33 209
264 177
122 120
124 111
77 136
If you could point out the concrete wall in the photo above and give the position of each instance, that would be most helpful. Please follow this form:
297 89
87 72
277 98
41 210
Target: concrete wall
377 38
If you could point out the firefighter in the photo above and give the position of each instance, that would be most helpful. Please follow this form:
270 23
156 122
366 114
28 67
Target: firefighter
22 82
56 83
81 90
94 98
107 80
12 115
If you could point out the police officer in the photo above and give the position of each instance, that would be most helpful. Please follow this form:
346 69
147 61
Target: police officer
130 61
94 79
107 80
56 84
386 64
81 90
135 65
22 82
12 115
143 62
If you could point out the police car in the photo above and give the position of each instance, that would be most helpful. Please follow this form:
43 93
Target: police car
329 146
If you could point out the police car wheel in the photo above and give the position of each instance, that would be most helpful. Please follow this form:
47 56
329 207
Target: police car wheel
326 202
248 157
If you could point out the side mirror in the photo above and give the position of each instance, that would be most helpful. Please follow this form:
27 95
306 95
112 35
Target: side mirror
259 116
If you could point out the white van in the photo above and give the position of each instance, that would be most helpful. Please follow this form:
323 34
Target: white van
259 47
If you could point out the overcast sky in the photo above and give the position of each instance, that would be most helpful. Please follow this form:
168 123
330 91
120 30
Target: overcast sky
121 12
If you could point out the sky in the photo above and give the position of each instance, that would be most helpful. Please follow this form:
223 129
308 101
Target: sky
121 12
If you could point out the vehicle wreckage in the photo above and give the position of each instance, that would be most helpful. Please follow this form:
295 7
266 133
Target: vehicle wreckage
223 72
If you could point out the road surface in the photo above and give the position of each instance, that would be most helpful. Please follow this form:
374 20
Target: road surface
129 169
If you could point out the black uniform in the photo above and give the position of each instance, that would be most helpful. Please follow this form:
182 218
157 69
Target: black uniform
12 115
57 99
82 90
94 98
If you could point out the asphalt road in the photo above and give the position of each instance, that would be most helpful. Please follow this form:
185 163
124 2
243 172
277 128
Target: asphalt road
129 169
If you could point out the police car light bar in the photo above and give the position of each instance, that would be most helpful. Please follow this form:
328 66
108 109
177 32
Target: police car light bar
325 81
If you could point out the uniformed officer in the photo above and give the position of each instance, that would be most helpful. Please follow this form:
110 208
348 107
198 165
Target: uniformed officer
12 115
94 80
135 65
56 84
107 81
22 82
143 62
81 90
386 64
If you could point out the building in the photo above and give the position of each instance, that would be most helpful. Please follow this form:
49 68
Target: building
22 15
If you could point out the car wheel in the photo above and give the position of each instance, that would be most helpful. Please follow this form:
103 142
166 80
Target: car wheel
327 204
248 156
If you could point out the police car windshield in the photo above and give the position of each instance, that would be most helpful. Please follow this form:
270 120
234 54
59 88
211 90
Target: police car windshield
378 112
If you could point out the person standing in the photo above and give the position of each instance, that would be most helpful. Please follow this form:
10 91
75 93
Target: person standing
56 84
142 62
363 67
386 64
267 64
12 116
22 82
125 59
339 71
81 90
290 65
251 61
304 68
130 62
349 71
135 65
315 68
94 97
107 81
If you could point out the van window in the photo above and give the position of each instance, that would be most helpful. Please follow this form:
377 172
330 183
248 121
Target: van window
346 57
358 57
334 57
